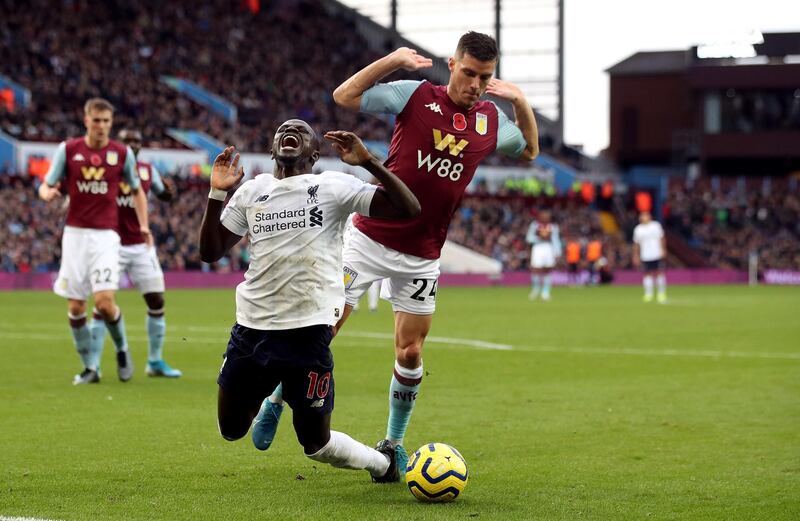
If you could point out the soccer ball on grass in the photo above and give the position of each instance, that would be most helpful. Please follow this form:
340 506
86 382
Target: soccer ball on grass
436 473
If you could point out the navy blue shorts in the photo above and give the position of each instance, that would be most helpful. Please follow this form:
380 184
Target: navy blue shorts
256 361
654 265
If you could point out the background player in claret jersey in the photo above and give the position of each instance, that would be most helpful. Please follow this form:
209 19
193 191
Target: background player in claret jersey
92 168
543 234
140 261
649 251
293 292
441 134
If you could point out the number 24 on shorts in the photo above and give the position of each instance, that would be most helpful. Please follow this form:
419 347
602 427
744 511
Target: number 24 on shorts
423 285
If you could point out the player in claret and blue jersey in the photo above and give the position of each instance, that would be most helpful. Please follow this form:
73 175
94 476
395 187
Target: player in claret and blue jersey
92 168
441 134
140 261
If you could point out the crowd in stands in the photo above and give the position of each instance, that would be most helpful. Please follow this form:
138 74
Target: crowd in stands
31 229
68 51
728 219
725 222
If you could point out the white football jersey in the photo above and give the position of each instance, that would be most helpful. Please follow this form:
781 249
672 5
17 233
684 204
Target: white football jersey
648 237
295 228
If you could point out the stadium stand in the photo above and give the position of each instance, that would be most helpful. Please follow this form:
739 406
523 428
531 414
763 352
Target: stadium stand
121 50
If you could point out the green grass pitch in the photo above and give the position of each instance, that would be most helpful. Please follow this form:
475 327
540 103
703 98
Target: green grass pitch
592 406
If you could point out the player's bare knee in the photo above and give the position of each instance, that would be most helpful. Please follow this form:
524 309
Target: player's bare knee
76 307
410 355
106 306
154 301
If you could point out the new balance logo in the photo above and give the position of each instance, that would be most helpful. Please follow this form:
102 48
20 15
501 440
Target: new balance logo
435 108
262 198
449 142
315 216
318 403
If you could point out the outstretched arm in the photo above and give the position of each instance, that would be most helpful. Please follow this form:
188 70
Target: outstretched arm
392 201
523 114
216 239
348 94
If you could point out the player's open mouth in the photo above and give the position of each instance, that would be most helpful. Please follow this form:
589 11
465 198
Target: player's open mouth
290 142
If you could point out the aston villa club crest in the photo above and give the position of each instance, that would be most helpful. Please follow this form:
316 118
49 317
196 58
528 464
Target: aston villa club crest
112 158
350 276
481 123
459 121
144 174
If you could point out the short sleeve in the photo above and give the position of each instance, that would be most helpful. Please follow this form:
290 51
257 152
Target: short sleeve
129 173
57 165
353 194
234 215
156 184
637 234
510 140
388 98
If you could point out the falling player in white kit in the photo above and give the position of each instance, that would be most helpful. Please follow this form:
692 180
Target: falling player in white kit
293 293
649 251
543 234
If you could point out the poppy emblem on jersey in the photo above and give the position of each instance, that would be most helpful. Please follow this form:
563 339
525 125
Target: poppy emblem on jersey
112 158
459 121
481 123
350 276
95 160
144 173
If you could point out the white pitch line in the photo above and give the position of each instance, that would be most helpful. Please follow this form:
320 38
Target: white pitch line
434 339
458 342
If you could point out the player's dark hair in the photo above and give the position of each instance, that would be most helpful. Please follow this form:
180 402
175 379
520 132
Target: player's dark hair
478 45
93 104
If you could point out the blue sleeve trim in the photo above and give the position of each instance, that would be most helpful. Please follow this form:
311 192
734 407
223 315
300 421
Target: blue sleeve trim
129 173
156 185
388 98
510 140
57 165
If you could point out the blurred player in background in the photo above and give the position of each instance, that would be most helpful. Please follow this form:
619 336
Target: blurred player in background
441 134
543 234
293 292
573 258
92 168
649 251
140 261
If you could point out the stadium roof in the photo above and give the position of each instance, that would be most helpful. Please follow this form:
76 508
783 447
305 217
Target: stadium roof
652 63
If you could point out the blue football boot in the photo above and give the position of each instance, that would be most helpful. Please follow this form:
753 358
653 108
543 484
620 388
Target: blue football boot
265 424
161 368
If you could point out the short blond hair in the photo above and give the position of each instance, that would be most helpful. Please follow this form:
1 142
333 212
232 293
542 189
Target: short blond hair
97 104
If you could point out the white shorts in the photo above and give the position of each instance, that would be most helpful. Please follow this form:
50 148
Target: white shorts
89 263
141 264
542 256
411 282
